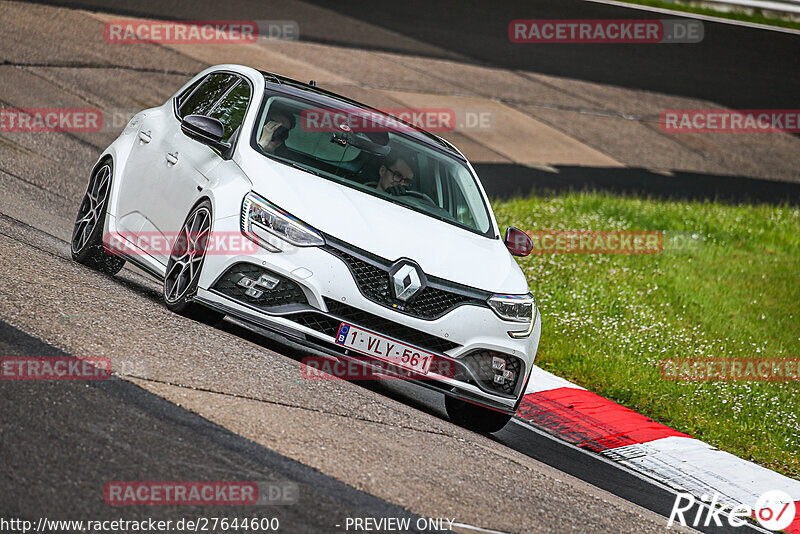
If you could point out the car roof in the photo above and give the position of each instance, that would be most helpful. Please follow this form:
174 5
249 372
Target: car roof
334 100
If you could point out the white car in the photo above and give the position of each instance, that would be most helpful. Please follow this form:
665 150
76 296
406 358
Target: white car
371 245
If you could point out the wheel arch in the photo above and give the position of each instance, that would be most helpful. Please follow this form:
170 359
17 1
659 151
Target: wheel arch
202 198
101 161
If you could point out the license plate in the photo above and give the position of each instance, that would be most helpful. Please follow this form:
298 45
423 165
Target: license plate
383 348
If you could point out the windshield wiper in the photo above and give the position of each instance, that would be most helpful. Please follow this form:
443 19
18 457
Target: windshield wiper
303 167
296 165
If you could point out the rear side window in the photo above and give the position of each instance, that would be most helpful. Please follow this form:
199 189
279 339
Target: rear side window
181 99
231 109
202 100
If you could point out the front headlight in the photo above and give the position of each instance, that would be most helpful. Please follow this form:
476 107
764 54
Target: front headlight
261 220
513 307
517 308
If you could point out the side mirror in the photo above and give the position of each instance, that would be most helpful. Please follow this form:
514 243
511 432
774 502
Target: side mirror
518 242
205 130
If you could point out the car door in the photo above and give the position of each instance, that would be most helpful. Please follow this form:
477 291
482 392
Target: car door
182 164
138 171
143 163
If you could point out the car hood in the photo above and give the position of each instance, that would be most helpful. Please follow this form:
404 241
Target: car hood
388 230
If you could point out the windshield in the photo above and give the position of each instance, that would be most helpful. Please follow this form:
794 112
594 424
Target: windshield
369 152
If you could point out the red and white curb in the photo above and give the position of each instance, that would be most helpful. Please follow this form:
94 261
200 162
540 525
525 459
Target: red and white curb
678 460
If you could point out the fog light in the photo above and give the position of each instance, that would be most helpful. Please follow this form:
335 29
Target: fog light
246 282
508 375
498 364
498 379
267 282
254 293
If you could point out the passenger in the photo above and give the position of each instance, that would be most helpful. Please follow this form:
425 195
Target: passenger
276 130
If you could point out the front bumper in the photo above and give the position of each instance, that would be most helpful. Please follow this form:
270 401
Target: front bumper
319 292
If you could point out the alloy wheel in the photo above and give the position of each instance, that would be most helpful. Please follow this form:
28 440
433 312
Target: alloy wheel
187 255
91 211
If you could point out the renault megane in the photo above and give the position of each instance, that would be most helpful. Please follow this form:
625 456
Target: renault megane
374 245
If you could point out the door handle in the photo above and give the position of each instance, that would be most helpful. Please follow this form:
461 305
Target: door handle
145 137
172 158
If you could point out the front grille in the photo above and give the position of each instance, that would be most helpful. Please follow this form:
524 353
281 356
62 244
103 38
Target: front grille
349 314
373 280
285 294
317 321
480 363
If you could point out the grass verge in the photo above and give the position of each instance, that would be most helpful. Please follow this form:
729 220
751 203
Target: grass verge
756 18
608 319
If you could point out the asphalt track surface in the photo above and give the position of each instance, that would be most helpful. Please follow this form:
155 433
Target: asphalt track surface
166 418
65 441
739 67
69 439
735 66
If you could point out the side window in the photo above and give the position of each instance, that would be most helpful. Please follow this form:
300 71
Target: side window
203 99
231 109
181 98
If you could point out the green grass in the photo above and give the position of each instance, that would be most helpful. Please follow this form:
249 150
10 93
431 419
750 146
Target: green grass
755 17
608 319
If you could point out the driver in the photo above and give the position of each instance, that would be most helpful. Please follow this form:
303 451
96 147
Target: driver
394 176
276 130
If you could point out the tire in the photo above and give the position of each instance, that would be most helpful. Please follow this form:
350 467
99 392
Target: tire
86 245
185 265
475 417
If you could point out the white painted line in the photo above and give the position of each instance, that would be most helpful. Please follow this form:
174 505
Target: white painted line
630 470
471 528
784 6
694 466
697 16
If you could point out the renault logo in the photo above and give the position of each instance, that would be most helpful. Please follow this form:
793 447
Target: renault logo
406 281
